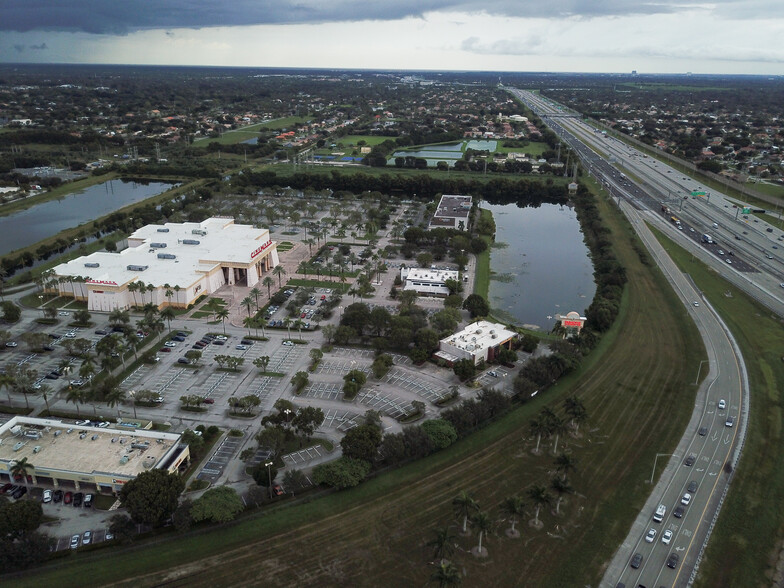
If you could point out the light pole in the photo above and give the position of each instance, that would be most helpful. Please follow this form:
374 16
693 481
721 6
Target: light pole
269 478
697 379
658 455
287 412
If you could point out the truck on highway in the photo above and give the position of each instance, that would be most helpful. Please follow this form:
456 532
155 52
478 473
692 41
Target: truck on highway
707 239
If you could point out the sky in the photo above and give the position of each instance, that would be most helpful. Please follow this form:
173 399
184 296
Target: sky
649 36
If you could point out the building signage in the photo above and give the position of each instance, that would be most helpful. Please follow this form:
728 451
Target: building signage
572 323
260 249
116 481
107 282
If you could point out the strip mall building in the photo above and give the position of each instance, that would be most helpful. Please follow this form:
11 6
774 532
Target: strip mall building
176 262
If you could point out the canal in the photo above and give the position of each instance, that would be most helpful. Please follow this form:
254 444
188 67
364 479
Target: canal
539 264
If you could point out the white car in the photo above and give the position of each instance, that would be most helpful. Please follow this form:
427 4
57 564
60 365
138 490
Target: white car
720 252
696 303
686 499
12 344
63 313
242 347
667 537
722 404
650 536
170 344
47 497
88 535
288 343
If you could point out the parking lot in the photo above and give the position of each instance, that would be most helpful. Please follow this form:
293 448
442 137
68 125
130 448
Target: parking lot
384 402
415 384
342 420
343 367
324 390
213 469
298 458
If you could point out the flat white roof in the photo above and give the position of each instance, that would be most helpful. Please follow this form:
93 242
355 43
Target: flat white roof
223 243
479 335
453 206
62 451
428 275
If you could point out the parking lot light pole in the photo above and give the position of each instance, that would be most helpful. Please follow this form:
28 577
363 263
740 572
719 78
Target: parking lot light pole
269 478
287 412
658 455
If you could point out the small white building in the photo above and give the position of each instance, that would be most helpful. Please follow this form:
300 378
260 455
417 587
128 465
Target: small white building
452 213
428 282
176 262
479 341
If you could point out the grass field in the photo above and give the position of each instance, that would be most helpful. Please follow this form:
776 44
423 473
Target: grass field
534 148
235 136
750 530
369 140
638 390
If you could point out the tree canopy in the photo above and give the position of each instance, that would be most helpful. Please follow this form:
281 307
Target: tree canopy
152 496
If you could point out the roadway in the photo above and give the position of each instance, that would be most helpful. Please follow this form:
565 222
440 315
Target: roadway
708 443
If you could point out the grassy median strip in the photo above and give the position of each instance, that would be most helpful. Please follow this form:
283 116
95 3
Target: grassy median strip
748 538
638 388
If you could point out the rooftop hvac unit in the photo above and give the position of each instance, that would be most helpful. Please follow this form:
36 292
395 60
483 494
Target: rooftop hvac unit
473 339
190 242
137 268
163 230
201 232
166 256
492 331
494 336
92 264
19 445
158 245
143 445
124 459
36 449
478 332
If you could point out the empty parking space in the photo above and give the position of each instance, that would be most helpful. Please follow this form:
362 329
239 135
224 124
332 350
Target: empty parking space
303 456
385 403
325 390
369 355
262 386
218 384
135 378
220 458
343 367
414 384
284 358
342 420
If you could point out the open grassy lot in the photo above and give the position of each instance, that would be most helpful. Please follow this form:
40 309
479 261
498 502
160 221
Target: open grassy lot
638 390
748 538
534 148
369 140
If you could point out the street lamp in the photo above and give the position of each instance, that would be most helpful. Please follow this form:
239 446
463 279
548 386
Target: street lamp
269 478
287 412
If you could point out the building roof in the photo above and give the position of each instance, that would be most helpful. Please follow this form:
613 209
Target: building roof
452 206
479 335
72 448
218 241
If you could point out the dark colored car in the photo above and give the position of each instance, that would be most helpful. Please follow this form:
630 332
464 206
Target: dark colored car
178 338
219 342
68 498
678 512
703 431
692 487
78 498
208 401
165 350
672 561
690 460
182 334
183 360
5 488
57 496
101 332
19 492
636 561
246 342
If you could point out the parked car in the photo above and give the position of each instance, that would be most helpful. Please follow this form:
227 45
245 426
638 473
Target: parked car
170 344
178 338
78 498
75 541
19 492
182 334
219 342
101 332
208 401
165 350
246 342
87 537
288 343
183 360
47 497
277 490
57 496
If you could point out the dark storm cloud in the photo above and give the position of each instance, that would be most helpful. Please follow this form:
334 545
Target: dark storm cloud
124 16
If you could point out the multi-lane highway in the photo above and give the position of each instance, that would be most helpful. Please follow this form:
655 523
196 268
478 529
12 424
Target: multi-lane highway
667 552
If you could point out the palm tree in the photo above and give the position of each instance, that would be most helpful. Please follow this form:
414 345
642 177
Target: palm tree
464 506
513 508
443 543
77 396
576 411
564 464
560 486
247 302
7 382
255 292
260 322
168 314
557 426
249 322
446 575
482 522
287 323
538 494
268 282
279 271
45 390
115 398
538 426
222 314
21 468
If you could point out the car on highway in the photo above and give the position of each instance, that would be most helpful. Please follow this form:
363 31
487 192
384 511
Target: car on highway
636 561
722 404
686 499
690 460
672 561
728 260
720 252
667 537
692 486
730 421
75 541
678 512
696 303
650 535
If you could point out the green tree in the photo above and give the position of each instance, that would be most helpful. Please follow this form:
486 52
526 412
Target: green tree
262 362
560 485
441 432
352 383
218 505
476 305
222 314
443 543
344 472
361 442
464 506
540 497
264 475
299 381
152 497
279 271
576 411
268 282
22 468
513 508
481 520
447 574
564 464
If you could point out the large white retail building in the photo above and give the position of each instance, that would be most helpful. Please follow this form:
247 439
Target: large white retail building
428 282
176 262
479 341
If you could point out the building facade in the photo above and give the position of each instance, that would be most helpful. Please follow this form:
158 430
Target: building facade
452 213
428 282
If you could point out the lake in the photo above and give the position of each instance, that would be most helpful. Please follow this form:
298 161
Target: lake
44 220
539 264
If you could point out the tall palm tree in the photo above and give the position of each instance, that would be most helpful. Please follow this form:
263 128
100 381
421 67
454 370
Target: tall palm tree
115 398
561 487
287 323
464 506
481 520
557 427
22 468
576 411
540 497
446 575
168 315
279 271
262 323
513 508
538 426
77 396
222 314
565 463
268 282
249 322
45 390
7 382
255 292
247 302
443 543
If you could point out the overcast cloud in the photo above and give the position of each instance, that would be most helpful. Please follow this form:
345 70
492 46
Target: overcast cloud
723 36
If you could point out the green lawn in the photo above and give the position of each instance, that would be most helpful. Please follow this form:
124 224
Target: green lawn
638 389
353 140
750 530
534 148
